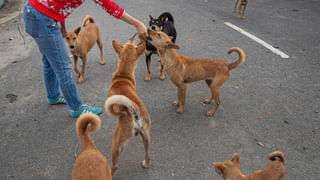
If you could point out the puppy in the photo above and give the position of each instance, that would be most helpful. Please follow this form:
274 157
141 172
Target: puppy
164 23
80 43
275 170
91 163
124 103
242 8
182 69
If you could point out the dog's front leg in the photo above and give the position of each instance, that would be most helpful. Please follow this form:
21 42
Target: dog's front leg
84 61
75 61
148 61
239 10
99 42
182 97
243 11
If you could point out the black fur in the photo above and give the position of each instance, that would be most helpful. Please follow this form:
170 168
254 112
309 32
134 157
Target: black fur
165 22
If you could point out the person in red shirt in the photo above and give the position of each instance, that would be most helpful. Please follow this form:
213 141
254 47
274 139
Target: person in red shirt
41 19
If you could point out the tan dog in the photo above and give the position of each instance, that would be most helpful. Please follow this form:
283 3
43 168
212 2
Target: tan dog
275 170
124 103
91 163
182 69
80 43
242 8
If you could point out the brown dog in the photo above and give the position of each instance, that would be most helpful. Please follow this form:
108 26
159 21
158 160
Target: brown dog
80 43
182 69
124 103
91 163
275 170
242 8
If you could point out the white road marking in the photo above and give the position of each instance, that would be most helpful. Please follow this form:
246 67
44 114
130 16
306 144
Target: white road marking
258 40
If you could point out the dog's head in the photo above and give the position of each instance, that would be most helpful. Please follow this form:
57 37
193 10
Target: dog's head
129 52
161 40
156 24
229 168
71 38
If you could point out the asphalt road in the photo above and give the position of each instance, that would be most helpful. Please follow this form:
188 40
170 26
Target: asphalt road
268 104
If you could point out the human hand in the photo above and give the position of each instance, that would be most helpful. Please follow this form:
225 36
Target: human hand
141 29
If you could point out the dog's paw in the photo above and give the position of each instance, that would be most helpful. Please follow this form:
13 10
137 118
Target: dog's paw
239 16
80 80
147 78
175 103
144 164
180 110
243 17
207 101
162 77
209 113
102 62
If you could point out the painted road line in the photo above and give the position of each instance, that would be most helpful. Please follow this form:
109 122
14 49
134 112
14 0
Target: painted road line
258 40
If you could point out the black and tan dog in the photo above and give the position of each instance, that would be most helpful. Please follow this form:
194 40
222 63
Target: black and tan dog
275 170
242 8
182 69
80 43
124 103
164 23
91 163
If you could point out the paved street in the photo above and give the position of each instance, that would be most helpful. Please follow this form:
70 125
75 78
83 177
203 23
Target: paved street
269 103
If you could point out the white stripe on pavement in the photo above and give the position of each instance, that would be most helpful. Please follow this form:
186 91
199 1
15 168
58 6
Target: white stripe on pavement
258 40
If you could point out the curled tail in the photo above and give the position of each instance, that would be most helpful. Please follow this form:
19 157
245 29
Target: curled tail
83 128
84 22
242 57
280 155
117 104
165 15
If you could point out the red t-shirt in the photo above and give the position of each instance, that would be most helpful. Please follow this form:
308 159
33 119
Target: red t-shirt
60 9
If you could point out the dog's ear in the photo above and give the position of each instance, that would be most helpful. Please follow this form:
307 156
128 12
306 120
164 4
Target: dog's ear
77 30
172 45
151 18
220 167
236 159
141 48
164 19
116 46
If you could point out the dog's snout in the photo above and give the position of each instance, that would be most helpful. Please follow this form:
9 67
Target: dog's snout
153 27
71 46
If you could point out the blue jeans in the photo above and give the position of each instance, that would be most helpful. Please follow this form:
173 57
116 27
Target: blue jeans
57 65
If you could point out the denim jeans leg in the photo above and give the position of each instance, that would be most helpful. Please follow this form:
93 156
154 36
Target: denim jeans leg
48 36
50 79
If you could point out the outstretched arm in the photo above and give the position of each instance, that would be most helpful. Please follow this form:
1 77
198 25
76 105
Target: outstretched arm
141 28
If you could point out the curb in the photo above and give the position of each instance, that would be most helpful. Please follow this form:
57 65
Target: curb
14 14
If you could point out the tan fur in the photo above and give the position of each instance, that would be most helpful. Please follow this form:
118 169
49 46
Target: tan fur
91 163
182 69
242 8
83 42
123 86
275 170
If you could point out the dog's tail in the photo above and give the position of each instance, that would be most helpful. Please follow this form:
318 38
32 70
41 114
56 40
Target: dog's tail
277 154
117 104
242 57
167 15
83 129
84 22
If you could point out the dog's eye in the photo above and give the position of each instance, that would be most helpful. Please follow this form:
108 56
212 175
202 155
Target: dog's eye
67 38
74 38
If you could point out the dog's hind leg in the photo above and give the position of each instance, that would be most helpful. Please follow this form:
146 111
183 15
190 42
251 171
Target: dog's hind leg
235 6
208 100
148 61
75 62
119 141
239 10
145 135
243 11
215 87
99 42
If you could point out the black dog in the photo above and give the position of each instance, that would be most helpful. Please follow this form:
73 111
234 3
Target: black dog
164 23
